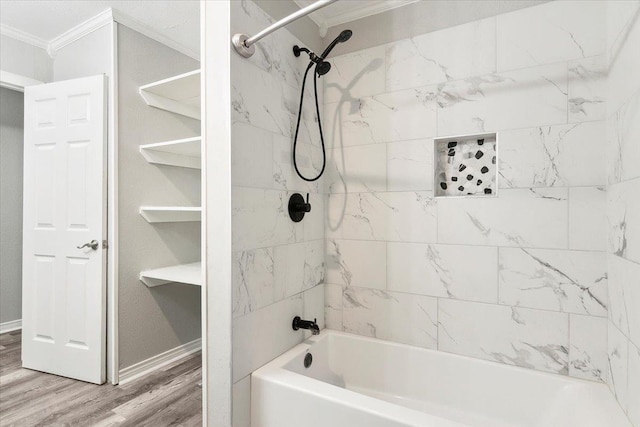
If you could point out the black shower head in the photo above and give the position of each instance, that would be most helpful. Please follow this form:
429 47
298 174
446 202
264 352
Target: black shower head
342 37
323 68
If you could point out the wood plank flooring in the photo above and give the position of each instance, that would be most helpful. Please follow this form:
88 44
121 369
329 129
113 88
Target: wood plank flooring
167 397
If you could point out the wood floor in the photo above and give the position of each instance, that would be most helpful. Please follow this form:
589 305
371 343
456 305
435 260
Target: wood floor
168 397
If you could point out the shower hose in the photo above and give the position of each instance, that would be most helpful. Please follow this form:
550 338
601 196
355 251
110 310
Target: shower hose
295 138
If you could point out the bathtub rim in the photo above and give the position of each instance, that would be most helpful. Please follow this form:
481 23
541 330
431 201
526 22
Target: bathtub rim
276 372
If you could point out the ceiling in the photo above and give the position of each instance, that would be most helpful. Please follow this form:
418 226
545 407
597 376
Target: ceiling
41 22
177 20
346 11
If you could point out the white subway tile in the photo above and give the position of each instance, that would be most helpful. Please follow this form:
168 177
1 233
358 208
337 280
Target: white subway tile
355 75
624 296
356 169
393 116
253 284
588 347
261 219
587 88
618 352
410 165
356 263
252 347
510 100
588 218
314 307
251 159
623 134
623 212
450 54
566 281
298 267
242 403
408 319
515 336
333 306
398 216
633 390
553 156
451 271
517 217
552 32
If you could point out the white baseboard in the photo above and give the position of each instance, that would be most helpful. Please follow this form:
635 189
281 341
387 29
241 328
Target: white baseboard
145 367
11 326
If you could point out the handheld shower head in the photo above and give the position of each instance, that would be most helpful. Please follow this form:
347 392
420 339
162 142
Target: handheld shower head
342 37
323 68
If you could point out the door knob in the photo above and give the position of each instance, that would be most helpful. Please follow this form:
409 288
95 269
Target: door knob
92 244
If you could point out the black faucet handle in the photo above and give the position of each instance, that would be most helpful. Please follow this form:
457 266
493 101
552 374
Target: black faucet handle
307 206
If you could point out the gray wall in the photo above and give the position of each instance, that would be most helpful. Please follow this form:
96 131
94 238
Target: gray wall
24 59
11 155
87 56
152 320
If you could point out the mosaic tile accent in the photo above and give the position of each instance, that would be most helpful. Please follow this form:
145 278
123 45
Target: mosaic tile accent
466 166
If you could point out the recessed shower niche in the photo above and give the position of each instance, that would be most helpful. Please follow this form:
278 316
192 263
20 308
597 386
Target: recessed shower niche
466 165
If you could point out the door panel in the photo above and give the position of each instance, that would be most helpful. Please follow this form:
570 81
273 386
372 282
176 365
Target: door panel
64 293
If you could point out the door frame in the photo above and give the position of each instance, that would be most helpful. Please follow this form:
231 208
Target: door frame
18 82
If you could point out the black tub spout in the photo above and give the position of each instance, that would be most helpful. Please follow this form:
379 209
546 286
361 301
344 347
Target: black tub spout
298 323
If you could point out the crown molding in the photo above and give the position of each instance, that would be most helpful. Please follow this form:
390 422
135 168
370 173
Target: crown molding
90 25
79 31
371 8
316 17
363 12
143 29
20 35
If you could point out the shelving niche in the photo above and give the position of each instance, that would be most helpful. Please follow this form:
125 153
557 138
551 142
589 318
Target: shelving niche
155 214
180 152
190 274
180 95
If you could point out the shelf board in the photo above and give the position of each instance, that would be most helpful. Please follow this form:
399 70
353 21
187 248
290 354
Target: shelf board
171 213
190 274
178 94
180 152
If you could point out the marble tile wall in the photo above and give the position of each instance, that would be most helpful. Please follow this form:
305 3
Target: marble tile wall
520 278
278 265
623 203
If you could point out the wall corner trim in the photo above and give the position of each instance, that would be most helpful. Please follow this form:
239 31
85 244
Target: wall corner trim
145 30
90 25
158 361
79 31
24 37
10 326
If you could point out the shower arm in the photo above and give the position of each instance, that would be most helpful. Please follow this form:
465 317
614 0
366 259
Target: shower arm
245 45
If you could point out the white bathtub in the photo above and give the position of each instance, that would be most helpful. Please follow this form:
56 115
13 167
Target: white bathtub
363 382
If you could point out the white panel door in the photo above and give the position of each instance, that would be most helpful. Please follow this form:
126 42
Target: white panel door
63 286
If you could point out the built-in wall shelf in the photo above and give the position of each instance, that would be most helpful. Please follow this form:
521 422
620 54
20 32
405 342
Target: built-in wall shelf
171 213
179 94
180 152
190 274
